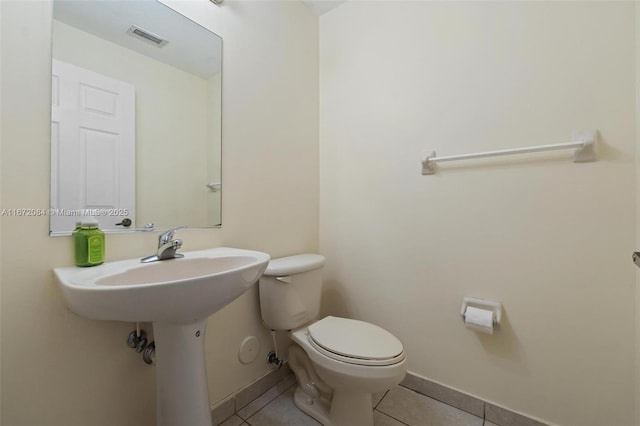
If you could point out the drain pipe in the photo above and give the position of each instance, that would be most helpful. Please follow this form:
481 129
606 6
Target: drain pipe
149 354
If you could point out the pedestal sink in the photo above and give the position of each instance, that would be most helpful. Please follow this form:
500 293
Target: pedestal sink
177 296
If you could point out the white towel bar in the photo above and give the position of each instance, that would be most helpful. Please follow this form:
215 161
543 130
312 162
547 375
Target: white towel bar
584 141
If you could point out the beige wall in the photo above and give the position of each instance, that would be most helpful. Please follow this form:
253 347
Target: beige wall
60 369
548 238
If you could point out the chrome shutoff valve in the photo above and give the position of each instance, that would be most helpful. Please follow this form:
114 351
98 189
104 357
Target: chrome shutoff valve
137 340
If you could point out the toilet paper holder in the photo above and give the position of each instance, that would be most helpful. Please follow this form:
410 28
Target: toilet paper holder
491 305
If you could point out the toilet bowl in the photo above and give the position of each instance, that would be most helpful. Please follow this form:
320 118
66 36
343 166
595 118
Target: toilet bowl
338 362
355 359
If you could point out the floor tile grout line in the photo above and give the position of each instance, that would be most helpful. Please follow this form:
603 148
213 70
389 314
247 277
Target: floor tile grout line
265 406
383 396
247 422
390 416
237 411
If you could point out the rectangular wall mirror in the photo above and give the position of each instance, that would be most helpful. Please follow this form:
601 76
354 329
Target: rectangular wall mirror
135 117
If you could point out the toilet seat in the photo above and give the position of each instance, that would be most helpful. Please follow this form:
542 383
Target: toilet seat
355 342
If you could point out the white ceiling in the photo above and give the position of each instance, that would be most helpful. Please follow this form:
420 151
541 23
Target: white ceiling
319 7
191 47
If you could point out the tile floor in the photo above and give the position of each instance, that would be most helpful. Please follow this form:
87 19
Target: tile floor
396 407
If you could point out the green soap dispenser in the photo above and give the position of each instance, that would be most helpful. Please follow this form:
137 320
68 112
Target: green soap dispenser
88 243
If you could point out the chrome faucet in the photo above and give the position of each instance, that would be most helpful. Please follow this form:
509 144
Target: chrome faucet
167 247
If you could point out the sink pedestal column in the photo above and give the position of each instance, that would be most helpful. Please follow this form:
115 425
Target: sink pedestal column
182 395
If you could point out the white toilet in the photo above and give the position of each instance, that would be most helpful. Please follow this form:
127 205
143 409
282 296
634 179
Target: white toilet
339 363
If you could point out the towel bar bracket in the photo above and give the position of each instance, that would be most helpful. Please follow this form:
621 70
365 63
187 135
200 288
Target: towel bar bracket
587 152
428 165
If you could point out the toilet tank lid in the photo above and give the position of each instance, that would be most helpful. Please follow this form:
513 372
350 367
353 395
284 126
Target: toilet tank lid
294 264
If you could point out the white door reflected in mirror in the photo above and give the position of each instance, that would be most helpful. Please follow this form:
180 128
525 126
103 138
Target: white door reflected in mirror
92 147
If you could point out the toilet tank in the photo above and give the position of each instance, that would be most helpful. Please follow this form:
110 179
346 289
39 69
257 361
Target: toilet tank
290 291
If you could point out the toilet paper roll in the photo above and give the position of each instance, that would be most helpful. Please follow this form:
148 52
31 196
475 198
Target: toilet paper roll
480 320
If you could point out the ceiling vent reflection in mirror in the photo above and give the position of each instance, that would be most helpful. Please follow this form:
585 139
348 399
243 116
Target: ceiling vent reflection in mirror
147 36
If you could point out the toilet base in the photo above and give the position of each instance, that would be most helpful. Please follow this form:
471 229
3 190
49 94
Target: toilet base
314 407
345 409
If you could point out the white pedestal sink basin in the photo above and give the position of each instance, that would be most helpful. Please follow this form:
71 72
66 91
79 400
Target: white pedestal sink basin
177 296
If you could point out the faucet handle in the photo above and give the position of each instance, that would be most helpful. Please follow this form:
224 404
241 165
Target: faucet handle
167 236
